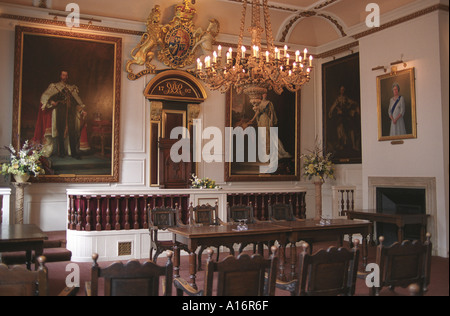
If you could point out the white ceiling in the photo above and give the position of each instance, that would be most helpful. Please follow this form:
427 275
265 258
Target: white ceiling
327 20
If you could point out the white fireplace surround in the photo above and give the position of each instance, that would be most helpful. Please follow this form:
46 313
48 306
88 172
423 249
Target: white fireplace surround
427 183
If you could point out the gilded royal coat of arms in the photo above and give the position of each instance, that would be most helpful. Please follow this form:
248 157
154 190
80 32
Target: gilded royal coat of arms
175 44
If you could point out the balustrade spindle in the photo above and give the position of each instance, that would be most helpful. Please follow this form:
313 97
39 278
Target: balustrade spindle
98 225
78 221
108 214
88 214
127 213
348 200
341 212
145 223
117 217
69 213
136 212
353 200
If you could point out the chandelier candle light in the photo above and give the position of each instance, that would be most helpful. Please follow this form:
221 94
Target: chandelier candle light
257 72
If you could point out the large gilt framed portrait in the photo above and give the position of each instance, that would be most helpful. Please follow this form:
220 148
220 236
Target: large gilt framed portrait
396 105
67 98
342 109
260 153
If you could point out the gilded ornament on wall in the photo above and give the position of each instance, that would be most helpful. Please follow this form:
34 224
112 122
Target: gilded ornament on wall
175 44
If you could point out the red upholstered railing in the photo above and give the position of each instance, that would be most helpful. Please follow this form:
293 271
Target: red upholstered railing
118 212
130 211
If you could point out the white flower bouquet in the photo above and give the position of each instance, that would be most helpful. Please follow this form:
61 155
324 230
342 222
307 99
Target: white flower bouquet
204 183
318 164
25 161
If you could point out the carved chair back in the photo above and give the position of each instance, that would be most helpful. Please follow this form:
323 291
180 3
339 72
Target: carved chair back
243 275
239 212
132 278
204 215
18 281
403 264
281 212
328 272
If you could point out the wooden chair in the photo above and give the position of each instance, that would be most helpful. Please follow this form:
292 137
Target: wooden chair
161 218
206 215
241 212
132 278
328 272
403 264
19 281
282 212
236 276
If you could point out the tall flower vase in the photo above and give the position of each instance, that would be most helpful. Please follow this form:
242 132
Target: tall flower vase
318 183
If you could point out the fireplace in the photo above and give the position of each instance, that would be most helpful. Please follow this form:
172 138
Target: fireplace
403 195
403 201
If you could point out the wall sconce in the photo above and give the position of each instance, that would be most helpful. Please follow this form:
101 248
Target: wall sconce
379 67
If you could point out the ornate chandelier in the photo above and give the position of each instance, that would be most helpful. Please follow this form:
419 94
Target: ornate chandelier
260 70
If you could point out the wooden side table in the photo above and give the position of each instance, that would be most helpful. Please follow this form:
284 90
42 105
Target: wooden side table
23 237
400 220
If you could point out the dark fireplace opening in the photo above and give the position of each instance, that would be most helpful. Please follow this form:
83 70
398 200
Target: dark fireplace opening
399 201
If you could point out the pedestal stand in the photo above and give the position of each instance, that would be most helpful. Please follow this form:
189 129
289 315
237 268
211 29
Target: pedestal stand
20 189
318 185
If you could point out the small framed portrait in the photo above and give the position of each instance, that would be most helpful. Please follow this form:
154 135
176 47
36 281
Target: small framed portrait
397 105
67 99
270 124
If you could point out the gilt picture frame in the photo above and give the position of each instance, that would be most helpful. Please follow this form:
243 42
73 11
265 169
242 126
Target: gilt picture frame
396 105
239 113
342 110
67 99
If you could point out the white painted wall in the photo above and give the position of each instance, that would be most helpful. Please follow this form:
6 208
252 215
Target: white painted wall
418 41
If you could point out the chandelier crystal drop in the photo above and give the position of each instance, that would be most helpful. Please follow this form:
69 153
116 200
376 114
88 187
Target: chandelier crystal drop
256 70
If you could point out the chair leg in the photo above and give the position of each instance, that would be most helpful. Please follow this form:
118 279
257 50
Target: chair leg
158 252
231 249
151 253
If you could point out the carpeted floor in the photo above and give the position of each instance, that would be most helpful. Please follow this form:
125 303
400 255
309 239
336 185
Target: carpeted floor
439 284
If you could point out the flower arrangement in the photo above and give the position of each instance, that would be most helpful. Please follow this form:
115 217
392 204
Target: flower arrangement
318 164
23 162
204 183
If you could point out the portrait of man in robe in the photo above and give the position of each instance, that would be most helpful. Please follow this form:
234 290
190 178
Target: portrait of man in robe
66 99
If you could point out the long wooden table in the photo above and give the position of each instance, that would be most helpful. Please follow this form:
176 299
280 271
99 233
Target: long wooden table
311 230
215 236
22 237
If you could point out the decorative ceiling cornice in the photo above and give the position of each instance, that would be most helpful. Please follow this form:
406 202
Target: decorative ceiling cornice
409 17
55 22
271 6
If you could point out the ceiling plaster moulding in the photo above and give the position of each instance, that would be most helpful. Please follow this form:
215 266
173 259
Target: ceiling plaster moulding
294 7
272 5
289 25
28 15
